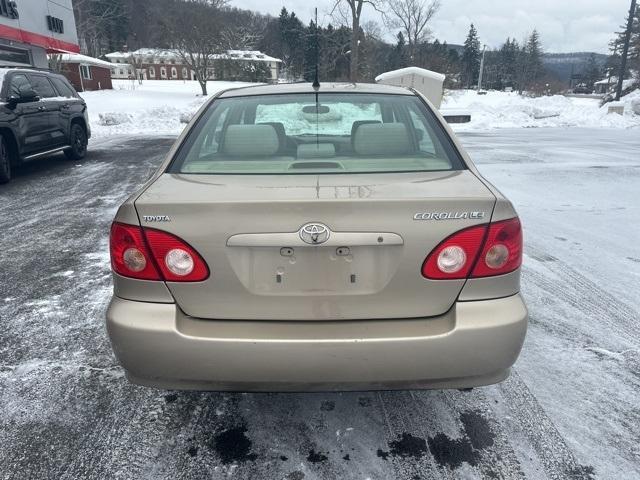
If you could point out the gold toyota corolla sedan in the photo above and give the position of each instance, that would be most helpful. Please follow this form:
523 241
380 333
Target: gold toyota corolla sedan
332 238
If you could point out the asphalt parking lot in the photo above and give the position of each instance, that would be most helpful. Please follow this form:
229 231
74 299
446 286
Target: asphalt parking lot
571 408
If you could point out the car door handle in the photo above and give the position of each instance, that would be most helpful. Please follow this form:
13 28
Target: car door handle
66 106
42 108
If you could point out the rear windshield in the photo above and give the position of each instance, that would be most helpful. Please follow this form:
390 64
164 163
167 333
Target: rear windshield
324 133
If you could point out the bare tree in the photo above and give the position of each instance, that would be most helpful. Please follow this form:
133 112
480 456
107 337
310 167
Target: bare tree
93 21
196 34
55 63
354 12
137 64
412 17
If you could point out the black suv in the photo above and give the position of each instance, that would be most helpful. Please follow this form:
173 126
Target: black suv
40 114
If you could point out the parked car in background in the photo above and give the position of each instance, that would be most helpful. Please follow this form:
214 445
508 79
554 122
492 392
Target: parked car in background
582 89
330 238
40 114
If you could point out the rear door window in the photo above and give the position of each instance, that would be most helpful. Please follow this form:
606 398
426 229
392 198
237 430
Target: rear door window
64 90
42 86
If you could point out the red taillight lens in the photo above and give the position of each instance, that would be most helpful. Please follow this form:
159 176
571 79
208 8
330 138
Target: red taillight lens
480 251
149 254
454 258
177 260
129 253
502 251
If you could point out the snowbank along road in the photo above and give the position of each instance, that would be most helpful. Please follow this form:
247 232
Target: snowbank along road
571 408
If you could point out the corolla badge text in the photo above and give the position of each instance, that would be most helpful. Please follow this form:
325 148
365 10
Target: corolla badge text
156 218
449 215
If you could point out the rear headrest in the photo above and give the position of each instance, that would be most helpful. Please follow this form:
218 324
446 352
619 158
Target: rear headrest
250 141
382 139
358 123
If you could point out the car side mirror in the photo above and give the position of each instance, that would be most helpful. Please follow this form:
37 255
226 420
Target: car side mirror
25 94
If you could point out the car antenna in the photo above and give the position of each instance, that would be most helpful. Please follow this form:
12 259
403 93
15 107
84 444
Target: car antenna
316 84
316 80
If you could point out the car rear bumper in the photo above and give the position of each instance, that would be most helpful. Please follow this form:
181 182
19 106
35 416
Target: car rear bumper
473 344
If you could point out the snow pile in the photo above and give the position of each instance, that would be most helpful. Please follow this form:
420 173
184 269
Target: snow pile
510 110
157 107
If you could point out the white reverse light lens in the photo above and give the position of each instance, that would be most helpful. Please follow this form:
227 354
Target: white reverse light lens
179 262
134 259
497 256
451 259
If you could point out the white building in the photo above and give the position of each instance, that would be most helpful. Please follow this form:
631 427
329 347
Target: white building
166 64
30 29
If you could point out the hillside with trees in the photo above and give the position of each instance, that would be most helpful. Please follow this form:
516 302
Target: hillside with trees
200 28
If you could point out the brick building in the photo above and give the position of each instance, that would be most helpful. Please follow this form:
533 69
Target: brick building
86 73
158 64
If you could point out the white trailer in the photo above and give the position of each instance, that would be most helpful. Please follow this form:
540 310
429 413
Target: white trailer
430 84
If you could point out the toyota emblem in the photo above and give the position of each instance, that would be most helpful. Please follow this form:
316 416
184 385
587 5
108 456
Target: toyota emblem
314 233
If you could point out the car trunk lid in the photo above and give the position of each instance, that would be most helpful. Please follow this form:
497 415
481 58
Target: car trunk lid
380 228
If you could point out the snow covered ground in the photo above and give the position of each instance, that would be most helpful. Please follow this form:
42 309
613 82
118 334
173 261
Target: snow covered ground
511 110
570 410
162 107
158 107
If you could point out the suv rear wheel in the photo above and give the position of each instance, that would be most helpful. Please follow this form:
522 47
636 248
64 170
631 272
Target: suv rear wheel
78 142
5 160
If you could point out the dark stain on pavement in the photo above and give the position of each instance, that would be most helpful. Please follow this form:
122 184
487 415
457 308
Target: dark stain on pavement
477 429
316 457
408 446
382 454
452 453
170 398
327 406
193 451
233 445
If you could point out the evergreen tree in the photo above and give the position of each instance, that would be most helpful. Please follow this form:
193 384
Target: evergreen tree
633 62
592 72
471 58
508 63
292 33
398 56
533 52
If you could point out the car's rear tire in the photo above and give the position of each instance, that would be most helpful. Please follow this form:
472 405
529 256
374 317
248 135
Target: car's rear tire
5 160
78 142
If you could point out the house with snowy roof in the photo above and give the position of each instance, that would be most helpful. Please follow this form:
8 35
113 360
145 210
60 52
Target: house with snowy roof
85 73
166 64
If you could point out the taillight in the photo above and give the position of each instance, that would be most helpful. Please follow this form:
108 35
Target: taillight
177 260
502 251
455 256
129 253
479 251
149 254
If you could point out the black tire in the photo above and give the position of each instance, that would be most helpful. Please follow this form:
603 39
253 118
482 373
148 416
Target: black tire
5 160
78 142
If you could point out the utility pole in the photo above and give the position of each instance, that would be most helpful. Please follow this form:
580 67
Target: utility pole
625 49
484 48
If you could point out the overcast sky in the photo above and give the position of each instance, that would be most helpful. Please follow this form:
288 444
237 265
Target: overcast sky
565 25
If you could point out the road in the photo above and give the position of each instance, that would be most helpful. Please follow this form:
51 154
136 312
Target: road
570 409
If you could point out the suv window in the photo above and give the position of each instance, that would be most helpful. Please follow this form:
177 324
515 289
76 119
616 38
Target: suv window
17 81
42 86
304 134
62 87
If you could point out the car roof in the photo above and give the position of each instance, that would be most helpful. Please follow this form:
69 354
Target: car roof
12 69
286 88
